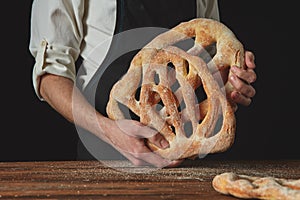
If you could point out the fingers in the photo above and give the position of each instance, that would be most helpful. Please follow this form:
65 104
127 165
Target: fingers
159 141
250 59
241 80
248 75
240 99
242 86
243 91
137 129
149 158
137 151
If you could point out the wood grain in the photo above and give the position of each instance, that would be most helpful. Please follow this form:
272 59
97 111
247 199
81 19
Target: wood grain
94 180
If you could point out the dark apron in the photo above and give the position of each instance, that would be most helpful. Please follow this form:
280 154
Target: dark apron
130 14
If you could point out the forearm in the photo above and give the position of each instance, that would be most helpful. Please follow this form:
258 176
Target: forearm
60 93
126 136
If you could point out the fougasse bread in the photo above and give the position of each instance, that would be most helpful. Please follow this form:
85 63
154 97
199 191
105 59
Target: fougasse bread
160 66
253 187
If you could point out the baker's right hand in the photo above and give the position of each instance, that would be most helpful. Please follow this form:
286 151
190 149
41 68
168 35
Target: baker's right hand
128 137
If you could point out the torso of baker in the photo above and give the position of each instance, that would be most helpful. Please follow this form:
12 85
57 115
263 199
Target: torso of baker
133 14
157 13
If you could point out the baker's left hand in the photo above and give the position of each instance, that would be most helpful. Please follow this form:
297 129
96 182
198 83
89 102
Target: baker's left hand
241 80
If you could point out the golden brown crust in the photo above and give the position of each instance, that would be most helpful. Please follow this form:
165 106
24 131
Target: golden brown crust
189 72
269 188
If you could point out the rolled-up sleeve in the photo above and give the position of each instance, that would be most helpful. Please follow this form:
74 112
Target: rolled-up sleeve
56 35
208 9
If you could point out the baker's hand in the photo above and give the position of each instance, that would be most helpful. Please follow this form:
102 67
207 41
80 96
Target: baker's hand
241 80
128 137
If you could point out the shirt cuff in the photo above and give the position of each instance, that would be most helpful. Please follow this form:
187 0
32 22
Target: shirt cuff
53 59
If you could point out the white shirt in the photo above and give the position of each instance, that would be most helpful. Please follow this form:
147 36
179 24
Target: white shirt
61 30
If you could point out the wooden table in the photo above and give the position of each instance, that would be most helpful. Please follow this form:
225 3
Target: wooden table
95 180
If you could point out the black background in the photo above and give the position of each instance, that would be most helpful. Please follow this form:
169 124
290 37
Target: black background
267 129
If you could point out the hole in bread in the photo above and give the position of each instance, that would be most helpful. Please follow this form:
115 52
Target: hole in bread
186 44
186 63
181 106
137 93
133 116
200 94
218 125
159 106
209 53
172 77
200 121
138 90
170 66
156 78
173 129
128 114
175 86
188 129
